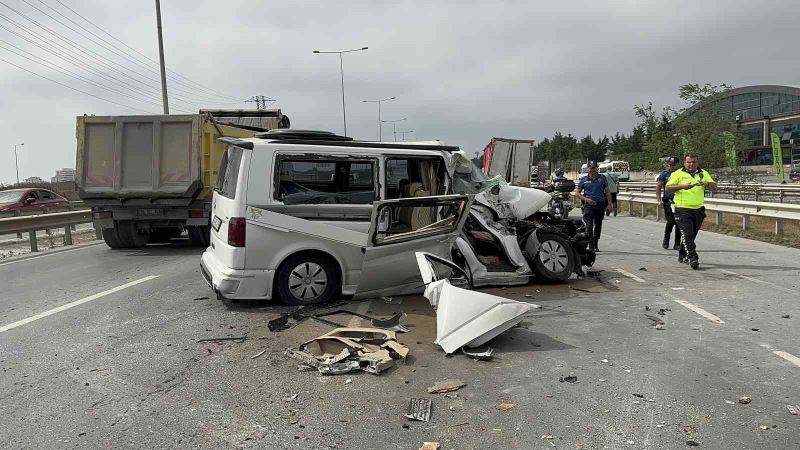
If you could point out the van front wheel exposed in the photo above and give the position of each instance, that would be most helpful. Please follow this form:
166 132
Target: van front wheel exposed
307 279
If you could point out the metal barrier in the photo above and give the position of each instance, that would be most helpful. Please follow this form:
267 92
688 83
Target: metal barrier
777 211
755 191
32 223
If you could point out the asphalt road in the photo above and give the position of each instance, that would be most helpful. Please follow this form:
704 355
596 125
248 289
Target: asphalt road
98 348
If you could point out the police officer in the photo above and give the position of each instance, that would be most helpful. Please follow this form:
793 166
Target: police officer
593 191
689 185
613 187
665 200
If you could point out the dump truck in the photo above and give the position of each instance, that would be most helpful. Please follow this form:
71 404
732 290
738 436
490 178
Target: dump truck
509 158
150 178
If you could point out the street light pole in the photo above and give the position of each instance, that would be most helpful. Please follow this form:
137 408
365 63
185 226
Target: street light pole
380 130
403 133
341 70
394 126
16 160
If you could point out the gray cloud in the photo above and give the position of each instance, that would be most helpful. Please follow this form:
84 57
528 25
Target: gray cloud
463 71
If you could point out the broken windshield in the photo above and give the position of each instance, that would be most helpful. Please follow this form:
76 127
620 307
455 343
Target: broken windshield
474 181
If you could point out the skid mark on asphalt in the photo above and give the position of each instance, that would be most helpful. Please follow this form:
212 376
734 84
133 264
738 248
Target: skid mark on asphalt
756 280
630 275
61 308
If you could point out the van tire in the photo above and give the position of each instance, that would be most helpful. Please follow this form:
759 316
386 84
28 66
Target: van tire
111 238
200 236
555 259
317 269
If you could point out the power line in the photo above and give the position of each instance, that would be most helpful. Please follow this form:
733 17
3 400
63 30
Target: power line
76 45
71 74
152 61
88 52
74 89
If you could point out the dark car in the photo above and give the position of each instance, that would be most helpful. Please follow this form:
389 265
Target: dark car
794 175
30 199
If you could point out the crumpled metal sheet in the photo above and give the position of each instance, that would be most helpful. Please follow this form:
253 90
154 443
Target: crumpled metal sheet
418 409
343 350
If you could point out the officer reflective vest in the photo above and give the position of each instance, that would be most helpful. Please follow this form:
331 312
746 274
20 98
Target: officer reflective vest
689 198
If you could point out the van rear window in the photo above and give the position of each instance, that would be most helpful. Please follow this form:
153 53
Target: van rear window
229 171
318 181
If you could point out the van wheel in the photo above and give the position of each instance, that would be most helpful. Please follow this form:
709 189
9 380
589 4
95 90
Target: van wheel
111 238
308 279
130 236
555 260
199 236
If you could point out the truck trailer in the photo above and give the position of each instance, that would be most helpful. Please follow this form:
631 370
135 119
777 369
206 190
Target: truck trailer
150 178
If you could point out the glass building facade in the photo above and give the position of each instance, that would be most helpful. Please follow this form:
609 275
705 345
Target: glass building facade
761 110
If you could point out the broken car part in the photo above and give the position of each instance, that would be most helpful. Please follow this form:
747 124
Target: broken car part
481 354
464 317
282 322
418 409
343 350
446 386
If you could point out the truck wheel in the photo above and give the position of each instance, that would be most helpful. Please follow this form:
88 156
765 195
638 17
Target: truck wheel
555 260
130 236
199 236
307 279
111 238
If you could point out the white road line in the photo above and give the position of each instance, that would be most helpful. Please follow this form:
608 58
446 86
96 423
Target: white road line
788 356
50 312
698 310
630 275
756 280
50 254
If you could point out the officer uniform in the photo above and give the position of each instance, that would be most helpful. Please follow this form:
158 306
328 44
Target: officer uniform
595 189
689 210
667 199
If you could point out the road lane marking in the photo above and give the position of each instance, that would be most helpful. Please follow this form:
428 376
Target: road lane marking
50 312
630 275
756 280
788 356
698 310
52 253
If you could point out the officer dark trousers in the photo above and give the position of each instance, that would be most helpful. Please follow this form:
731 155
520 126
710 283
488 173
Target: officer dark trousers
670 216
689 221
593 218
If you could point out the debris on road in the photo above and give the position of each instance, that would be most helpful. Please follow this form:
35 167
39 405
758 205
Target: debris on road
692 443
430 446
764 427
786 316
348 381
568 379
793 409
481 354
446 386
343 350
291 399
200 298
504 406
282 322
647 307
663 311
638 395
392 300
655 319
643 269
659 326
753 329
258 354
745 400
233 338
418 409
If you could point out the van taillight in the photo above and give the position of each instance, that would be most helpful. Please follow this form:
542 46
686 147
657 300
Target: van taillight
236 231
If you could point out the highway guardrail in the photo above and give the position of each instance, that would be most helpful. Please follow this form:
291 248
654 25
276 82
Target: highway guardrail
748 191
719 206
32 223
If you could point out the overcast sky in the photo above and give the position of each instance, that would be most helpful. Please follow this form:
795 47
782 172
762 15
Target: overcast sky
462 71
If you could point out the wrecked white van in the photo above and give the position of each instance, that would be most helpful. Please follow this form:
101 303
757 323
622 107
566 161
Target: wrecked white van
309 215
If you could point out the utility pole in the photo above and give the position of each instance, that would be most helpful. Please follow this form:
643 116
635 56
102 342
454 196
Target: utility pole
380 129
161 58
341 70
260 101
16 160
403 133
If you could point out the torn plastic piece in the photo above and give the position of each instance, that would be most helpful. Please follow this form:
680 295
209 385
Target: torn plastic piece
282 322
464 317
793 409
430 446
418 409
481 354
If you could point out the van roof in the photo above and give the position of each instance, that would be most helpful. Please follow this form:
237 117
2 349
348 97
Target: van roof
326 138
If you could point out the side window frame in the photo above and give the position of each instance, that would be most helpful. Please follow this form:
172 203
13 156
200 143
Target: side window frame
286 156
446 182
